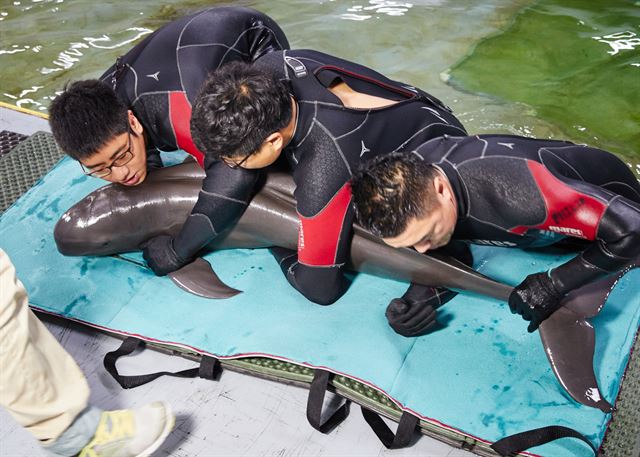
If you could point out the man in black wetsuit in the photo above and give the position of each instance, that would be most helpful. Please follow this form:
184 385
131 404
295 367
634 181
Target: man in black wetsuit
327 115
506 191
117 126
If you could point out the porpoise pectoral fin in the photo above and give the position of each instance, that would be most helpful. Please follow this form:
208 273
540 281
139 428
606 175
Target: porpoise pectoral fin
199 279
569 342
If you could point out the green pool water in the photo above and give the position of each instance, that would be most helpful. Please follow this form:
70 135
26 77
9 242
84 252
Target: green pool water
573 63
512 66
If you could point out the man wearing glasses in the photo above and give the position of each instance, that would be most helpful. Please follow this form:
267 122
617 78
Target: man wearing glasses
116 126
325 115
120 161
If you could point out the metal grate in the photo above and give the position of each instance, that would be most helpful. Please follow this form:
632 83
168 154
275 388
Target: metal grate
24 165
8 140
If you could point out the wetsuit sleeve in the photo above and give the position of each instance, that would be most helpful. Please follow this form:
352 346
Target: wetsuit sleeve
617 244
317 269
265 36
224 196
154 161
584 210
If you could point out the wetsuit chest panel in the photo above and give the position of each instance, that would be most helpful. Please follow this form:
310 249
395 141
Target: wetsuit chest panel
320 175
569 211
323 198
502 191
180 115
327 225
151 110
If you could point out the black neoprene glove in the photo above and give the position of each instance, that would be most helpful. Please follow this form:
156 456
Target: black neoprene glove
535 299
410 319
414 313
161 256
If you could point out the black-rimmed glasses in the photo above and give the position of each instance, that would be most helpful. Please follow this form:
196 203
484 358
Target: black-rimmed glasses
235 165
119 161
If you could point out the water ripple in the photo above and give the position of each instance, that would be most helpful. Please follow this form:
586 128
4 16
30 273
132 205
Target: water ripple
67 58
388 7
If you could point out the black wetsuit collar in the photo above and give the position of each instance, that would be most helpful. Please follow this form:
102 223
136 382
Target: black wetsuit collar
459 190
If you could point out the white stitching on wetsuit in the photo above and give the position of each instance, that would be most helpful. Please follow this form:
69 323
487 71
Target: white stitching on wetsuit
486 145
313 120
344 159
357 128
238 39
178 47
318 102
159 92
224 197
557 157
287 257
422 130
497 156
623 184
207 219
135 84
435 113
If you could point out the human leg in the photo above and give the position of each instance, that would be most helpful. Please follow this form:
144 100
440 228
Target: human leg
40 384
44 390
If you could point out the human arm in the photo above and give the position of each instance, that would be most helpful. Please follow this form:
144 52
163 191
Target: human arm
224 196
154 161
317 269
616 244
264 35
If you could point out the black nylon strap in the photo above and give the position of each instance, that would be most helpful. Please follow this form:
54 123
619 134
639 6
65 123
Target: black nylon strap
314 404
402 438
512 445
208 369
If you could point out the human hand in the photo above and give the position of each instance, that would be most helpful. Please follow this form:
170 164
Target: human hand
535 299
160 255
410 319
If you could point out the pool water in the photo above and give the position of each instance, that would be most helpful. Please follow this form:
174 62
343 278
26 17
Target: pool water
550 69
574 63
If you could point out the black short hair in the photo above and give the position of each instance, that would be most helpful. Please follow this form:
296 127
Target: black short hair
390 190
86 116
237 108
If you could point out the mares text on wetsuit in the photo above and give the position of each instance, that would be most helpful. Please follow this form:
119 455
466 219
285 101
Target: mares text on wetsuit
515 191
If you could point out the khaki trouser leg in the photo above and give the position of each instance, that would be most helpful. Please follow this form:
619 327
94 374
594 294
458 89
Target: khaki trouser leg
40 384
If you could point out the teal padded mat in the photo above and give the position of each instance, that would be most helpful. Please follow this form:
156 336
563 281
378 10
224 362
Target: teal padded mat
483 375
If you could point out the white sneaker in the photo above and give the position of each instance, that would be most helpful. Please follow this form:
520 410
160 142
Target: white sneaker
131 432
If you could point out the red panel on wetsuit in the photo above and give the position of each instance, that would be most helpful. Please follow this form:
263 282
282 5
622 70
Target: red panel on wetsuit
569 212
180 115
319 235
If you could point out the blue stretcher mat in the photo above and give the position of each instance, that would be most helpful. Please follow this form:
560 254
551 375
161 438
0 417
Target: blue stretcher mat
482 375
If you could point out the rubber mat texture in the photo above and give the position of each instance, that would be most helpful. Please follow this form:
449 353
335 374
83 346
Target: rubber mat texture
25 164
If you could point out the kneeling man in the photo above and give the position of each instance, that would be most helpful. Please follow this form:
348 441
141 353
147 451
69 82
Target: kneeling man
508 191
